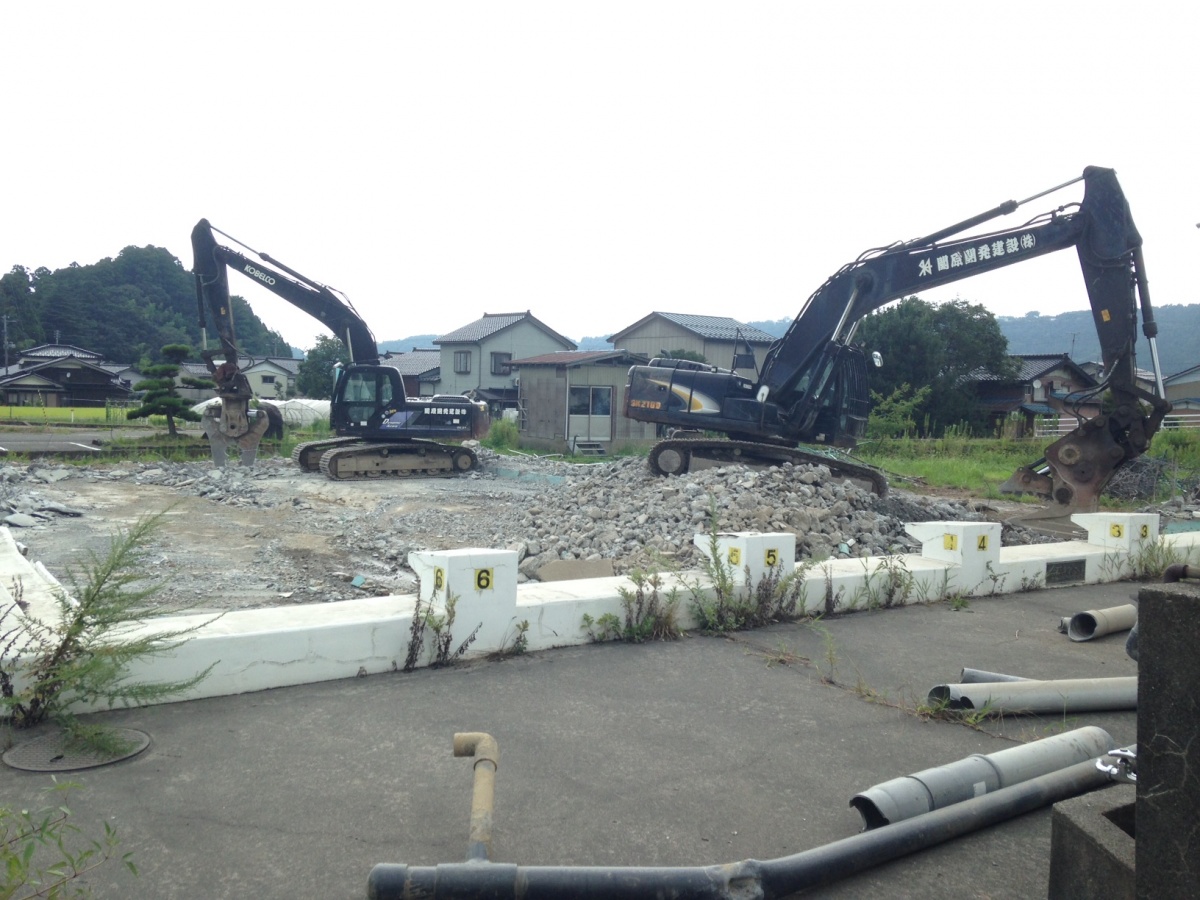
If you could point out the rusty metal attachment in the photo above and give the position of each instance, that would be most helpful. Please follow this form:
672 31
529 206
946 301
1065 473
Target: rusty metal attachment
487 760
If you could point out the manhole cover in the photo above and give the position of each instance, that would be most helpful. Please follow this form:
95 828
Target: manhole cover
47 753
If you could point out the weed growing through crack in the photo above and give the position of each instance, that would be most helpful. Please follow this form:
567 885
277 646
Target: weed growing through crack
442 651
518 645
829 649
722 606
1151 559
649 615
1030 583
995 579
83 653
890 584
606 627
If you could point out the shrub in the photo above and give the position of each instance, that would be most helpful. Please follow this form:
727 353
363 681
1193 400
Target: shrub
503 435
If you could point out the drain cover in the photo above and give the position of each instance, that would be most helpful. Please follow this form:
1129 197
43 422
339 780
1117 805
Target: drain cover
47 753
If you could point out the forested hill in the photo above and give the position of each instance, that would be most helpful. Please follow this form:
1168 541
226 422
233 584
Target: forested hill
126 308
1074 333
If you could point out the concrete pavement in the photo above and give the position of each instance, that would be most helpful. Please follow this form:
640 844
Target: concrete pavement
701 751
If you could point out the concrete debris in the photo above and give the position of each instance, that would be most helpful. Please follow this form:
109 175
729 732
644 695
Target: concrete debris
615 514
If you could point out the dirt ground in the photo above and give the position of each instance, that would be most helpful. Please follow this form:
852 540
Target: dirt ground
299 538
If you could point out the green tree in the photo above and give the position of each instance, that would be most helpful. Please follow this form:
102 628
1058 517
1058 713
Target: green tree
895 415
124 307
161 398
314 379
938 347
18 303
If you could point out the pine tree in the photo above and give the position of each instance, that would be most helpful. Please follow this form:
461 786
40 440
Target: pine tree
161 397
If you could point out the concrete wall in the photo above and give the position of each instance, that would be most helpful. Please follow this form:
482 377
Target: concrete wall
265 648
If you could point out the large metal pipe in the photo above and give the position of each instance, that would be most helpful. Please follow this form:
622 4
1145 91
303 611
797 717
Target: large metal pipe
487 759
1069 695
735 881
914 795
1083 626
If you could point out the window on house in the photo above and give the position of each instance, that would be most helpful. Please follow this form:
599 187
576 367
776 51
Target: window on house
462 362
268 379
590 401
500 363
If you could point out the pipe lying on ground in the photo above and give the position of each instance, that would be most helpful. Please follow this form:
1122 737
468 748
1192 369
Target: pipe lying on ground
1094 623
979 676
1179 571
750 878
914 795
1070 695
487 759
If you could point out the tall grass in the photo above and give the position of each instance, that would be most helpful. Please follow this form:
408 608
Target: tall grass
982 464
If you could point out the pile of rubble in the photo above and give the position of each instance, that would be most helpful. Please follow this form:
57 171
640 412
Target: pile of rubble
622 512
548 510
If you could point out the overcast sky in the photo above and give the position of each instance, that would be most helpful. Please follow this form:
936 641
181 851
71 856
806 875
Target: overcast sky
589 162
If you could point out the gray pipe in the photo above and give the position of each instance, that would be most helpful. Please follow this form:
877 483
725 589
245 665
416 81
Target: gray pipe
979 676
1098 622
914 795
767 879
1069 695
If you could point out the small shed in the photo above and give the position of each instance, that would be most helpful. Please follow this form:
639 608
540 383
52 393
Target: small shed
571 401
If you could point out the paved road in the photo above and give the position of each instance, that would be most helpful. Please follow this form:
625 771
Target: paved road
32 441
700 751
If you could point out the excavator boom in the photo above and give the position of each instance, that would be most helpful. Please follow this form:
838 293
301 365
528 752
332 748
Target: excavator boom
812 387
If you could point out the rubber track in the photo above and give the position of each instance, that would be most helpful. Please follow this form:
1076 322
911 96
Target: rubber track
749 453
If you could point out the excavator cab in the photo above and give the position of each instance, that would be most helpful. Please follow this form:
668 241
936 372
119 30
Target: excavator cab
362 397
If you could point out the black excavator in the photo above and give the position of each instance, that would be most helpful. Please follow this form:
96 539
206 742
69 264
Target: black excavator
380 431
812 388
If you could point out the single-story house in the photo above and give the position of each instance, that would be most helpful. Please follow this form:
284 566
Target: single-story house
62 375
571 401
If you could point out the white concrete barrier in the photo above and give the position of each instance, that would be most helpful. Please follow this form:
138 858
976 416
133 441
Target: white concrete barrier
264 648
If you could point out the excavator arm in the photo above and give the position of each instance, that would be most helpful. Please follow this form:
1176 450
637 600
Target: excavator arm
811 391
212 262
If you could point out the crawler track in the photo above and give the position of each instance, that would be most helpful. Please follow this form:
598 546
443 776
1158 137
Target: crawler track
346 458
677 456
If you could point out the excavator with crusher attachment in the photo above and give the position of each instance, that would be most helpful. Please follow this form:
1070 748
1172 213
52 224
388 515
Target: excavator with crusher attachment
380 431
813 384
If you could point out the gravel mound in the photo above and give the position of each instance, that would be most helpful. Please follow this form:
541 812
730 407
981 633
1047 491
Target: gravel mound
548 510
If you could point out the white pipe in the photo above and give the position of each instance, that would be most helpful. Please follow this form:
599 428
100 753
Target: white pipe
1066 696
915 795
1098 622
977 676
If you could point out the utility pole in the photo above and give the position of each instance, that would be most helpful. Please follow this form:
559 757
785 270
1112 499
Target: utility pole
6 343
